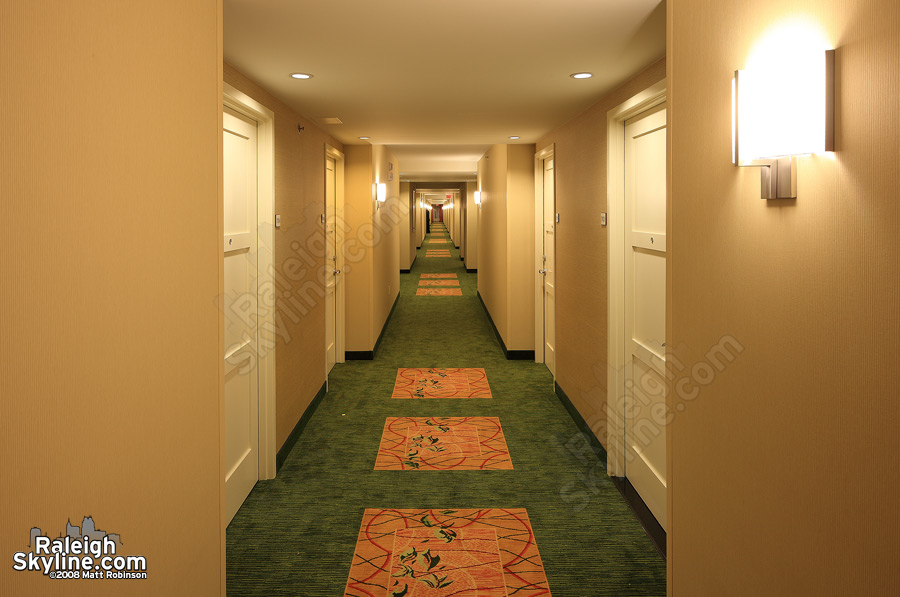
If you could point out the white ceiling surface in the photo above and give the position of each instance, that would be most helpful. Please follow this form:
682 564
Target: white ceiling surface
439 81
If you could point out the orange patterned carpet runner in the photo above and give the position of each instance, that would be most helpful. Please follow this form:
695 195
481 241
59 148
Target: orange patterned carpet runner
463 553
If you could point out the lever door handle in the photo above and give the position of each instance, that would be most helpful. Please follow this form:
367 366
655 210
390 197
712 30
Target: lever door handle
542 271
336 272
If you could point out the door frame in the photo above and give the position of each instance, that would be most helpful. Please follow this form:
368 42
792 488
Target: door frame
615 129
539 157
340 296
265 164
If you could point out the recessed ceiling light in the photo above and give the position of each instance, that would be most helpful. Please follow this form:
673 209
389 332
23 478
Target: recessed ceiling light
581 75
301 76
365 138
514 137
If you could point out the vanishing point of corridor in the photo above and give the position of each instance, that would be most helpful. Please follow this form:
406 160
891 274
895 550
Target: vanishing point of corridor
440 468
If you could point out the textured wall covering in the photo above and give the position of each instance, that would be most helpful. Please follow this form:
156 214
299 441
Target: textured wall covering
784 469
111 367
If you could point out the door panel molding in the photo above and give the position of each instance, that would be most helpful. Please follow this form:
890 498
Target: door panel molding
616 353
540 156
265 143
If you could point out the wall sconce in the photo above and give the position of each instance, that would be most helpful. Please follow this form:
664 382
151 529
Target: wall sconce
477 197
428 206
780 111
381 192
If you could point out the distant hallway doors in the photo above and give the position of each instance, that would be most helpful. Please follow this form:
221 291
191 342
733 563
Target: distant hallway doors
334 299
645 307
545 258
241 246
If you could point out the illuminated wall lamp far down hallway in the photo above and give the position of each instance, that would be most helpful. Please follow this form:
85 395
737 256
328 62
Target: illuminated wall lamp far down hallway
477 197
781 113
381 192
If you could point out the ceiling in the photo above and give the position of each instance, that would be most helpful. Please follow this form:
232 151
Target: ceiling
440 81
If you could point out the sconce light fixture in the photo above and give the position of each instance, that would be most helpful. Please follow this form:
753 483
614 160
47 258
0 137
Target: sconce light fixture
781 109
477 197
381 193
428 206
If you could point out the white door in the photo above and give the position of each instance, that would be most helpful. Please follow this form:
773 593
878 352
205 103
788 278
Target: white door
549 267
645 307
331 267
241 339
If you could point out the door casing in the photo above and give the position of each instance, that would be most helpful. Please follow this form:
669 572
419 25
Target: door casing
646 99
340 296
265 118
539 158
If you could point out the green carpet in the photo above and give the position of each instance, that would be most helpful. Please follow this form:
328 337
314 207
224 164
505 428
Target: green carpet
295 535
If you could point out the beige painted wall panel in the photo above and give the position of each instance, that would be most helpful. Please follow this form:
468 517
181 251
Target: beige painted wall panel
407 234
299 256
520 250
581 250
358 257
492 236
386 250
111 348
784 470
472 213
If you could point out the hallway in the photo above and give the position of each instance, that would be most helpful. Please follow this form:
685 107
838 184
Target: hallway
296 534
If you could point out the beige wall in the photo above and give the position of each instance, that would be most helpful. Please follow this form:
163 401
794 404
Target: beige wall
111 368
520 268
387 220
506 243
784 470
472 213
581 250
359 209
407 234
372 245
298 257
492 273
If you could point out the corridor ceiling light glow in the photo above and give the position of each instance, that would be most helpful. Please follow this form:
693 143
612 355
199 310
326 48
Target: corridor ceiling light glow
581 75
364 138
782 106
514 137
301 76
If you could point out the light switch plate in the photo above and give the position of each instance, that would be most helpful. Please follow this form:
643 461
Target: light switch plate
603 218
278 220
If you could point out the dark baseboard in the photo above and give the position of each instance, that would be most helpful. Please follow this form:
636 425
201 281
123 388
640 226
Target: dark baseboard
651 526
511 355
369 355
472 270
298 429
598 448
386 322
462 258
404 271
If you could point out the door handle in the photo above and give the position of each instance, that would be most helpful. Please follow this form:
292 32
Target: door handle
542 271
336 272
